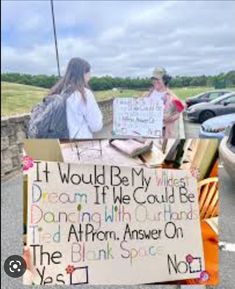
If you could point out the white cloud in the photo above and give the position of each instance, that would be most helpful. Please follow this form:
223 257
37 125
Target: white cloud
122 38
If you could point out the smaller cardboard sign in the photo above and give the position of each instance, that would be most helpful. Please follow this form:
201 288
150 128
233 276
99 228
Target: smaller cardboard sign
138 117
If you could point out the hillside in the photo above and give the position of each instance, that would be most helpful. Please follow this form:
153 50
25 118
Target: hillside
19 98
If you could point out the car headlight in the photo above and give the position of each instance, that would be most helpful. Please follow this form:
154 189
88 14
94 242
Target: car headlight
214 130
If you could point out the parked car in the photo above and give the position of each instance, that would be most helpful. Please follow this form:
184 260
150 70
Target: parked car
216 127
227 151
205 97
203 111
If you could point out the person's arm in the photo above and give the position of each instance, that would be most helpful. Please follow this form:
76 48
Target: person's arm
173 107
93 115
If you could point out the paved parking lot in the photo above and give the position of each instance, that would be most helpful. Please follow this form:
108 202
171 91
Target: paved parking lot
191 129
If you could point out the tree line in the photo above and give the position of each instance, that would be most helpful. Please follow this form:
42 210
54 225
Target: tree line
107 82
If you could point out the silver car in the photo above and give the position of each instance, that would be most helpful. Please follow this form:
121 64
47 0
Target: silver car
202 111
227 151
216 127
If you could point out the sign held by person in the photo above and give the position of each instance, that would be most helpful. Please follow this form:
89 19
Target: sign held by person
138 117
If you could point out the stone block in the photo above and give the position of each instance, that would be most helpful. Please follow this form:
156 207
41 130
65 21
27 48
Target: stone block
6 155
4 142
20 147
14 150
16 162
6 169
18 118
6 165
20 136
12 139
7 130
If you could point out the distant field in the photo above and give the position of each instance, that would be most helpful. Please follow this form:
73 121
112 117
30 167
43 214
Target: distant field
19 98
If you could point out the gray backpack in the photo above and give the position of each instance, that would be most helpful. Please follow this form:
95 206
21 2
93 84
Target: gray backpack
48 119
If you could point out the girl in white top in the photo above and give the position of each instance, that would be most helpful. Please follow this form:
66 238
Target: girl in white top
83 113
83 118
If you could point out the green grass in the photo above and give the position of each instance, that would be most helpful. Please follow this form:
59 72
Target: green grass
184 92
107 94
19 98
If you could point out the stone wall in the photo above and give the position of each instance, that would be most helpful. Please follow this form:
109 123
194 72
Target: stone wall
106 107
13 132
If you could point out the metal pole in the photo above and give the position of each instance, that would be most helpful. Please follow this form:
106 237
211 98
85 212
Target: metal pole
55 38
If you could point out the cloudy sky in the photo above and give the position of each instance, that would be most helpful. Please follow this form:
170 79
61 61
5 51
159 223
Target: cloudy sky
120 38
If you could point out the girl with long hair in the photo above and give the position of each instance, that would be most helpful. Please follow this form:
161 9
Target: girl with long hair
83 114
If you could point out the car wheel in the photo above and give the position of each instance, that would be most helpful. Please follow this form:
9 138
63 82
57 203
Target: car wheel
205 115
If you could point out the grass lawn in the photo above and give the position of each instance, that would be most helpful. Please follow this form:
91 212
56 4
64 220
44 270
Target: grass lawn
19 98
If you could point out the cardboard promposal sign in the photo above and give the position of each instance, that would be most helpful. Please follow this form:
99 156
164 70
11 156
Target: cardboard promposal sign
94 224
138 117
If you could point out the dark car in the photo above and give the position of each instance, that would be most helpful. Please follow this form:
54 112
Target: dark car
205 97
203 111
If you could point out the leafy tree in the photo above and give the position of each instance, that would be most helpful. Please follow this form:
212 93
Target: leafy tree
108 82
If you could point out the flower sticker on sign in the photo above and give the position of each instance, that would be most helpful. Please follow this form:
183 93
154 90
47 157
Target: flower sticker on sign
204 276
70 269
189 258
195 172
27 163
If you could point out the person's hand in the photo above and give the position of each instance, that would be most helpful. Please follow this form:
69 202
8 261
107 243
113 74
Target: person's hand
28 275
27 258
171 118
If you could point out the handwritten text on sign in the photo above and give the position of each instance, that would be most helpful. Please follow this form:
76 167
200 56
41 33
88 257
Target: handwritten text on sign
138 116
112 225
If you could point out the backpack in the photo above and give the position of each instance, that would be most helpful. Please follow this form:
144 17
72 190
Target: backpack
48 118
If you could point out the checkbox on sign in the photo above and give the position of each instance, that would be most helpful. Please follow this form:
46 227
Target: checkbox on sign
195 265
79 276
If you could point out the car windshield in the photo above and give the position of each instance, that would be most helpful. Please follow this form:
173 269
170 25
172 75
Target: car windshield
198 95
221 98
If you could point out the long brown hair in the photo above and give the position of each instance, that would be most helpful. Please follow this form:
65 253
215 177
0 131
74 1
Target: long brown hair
73 79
